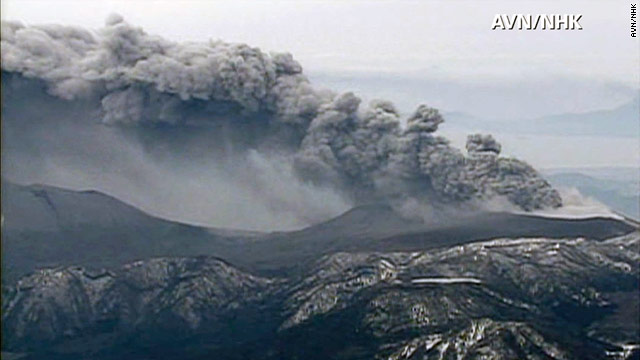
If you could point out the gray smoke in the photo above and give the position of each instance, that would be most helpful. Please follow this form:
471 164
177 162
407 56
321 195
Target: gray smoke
133 72
237 100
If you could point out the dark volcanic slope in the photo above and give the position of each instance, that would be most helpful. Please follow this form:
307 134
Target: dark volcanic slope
46 226
379 228
380 221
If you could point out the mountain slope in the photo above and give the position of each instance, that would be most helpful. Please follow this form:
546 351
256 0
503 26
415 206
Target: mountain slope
46 227
500 299
369 284
379 228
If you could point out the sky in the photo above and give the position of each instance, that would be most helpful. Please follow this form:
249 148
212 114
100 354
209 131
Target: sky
448 37
440 42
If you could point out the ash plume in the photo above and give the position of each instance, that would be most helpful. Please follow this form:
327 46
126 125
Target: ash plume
225 105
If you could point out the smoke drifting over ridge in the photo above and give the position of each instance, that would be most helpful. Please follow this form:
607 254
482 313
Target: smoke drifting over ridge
232 117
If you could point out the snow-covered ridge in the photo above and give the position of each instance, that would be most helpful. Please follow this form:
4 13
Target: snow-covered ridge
445 280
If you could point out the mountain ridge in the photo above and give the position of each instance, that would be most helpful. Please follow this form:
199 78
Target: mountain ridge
34 243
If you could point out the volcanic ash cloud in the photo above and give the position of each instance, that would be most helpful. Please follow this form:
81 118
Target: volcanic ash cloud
142 82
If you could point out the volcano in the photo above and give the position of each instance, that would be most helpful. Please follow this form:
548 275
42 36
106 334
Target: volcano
86 275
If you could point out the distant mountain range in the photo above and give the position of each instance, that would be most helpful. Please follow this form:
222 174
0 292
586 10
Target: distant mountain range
621 121
618 188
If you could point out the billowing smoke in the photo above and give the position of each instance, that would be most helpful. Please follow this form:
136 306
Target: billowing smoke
143 78
246 114
577 206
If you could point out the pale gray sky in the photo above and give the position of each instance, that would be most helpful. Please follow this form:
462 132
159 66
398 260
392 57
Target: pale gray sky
448 38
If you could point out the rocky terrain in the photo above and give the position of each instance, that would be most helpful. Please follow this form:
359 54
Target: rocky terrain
574 296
